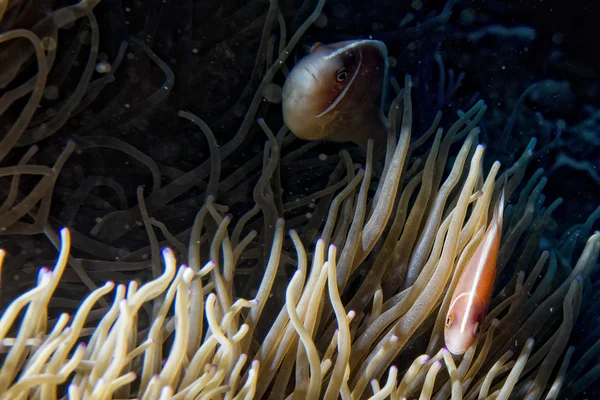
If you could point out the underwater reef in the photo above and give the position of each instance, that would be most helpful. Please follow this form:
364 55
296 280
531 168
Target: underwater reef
167 232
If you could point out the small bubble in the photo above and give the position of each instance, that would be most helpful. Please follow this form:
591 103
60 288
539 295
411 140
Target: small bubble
467 17
239 111
51 92
323 157
321 21
51 113
558 38
84 37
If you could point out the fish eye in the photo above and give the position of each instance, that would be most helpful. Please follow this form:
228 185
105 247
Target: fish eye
342 76
476 328
449 320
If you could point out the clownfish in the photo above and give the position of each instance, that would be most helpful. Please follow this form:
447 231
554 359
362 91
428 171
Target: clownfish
336 93
472 295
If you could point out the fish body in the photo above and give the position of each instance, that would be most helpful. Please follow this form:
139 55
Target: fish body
336 93
473 293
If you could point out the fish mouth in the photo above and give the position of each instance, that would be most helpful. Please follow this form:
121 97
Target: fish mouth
456 350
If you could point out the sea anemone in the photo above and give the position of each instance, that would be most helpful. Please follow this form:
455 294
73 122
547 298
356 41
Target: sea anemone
328 338
348 299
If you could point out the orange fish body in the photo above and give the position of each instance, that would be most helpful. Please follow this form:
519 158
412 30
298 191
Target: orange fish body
336 93
473 293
